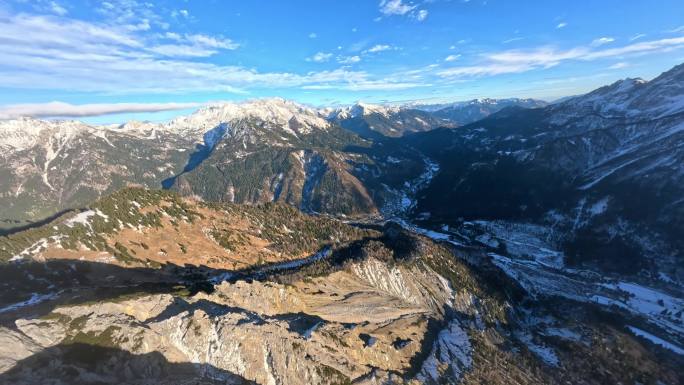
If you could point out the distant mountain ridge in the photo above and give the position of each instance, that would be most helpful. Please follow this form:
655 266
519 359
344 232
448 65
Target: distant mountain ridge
471 111
604 168
255 151
52 165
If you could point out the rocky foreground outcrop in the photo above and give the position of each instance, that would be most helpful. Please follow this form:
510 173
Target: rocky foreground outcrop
366 320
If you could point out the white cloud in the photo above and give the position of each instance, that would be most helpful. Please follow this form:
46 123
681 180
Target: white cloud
637 37
677 30
517 61
349 59
172 35
57 9
395 7
561 25
452 58
378 48
662 45
368 85
143 25
131 12
60 53
313 35
401 8
66 110
483 70
184 13
179 50
601 41
619 65
193 45
211 41
320 57
511 40
52 53
421 15
544 57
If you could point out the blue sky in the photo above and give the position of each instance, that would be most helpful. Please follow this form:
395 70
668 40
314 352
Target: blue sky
174 55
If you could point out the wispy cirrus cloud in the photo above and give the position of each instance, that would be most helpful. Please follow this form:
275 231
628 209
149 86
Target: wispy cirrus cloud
421 15
369 85
518 61
619 65
184 13
136 15
602 41
193 45
379 48
57 9
513 39
349 59
401 8
61 53
66 110
320 57
395 7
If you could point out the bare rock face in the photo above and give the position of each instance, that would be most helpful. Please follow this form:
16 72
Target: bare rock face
363 322
15 347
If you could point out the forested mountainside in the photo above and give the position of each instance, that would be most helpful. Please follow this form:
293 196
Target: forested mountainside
257 151
46 167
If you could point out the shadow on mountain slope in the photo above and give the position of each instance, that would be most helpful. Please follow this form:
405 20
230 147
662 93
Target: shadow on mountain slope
80 363
202 152
35 288
19 228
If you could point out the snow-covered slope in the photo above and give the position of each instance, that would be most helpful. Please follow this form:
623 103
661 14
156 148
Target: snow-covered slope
631 98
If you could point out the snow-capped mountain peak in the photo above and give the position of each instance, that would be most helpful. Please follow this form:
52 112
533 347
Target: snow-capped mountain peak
23 133
633 97
274 112
363 109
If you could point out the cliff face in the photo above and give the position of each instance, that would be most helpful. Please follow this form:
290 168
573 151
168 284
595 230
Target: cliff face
361 313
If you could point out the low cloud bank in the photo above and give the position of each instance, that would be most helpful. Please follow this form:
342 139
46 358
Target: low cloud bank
66 110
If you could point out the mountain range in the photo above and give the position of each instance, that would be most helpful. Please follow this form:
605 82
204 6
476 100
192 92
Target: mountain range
488 241
49 166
